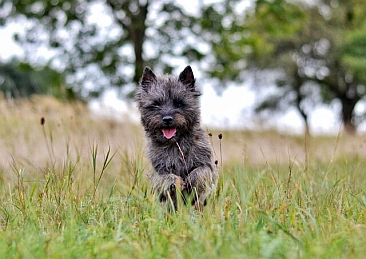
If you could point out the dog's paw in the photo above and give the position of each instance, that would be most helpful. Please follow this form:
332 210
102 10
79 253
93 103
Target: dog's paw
171 183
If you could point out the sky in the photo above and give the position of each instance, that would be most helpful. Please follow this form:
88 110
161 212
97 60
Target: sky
233 108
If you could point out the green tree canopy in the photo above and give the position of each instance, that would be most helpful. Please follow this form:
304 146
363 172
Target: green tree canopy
314 51
103 43
311 50
20 80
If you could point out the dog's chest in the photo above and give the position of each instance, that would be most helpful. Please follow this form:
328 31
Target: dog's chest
173 161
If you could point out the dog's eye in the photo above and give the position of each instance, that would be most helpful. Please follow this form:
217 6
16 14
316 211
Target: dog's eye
154 105
178 103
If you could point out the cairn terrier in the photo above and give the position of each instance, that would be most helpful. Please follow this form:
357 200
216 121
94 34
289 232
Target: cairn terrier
179 149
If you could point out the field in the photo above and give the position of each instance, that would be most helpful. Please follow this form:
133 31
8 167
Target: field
72 185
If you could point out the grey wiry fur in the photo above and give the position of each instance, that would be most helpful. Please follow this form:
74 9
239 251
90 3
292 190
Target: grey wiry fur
184 161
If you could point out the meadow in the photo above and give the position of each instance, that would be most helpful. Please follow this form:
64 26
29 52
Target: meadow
72 185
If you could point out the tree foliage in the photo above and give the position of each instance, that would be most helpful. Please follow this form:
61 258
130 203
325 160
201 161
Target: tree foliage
99 44
312 51
20 80
354 52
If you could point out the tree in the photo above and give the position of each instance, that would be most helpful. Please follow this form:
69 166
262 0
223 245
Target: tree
354 52
305 45
19 80
108 52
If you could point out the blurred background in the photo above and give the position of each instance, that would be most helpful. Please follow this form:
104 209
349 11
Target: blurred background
296 66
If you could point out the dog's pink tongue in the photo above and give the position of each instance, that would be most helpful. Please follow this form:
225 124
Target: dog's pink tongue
169 133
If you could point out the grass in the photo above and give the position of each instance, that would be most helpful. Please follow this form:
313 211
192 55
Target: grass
74 187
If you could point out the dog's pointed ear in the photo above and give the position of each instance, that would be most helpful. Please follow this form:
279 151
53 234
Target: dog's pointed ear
187 77
147 78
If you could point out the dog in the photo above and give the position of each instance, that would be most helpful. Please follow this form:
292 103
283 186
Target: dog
178 148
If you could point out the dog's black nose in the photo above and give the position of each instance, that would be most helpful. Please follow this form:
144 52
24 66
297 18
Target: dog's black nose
167 120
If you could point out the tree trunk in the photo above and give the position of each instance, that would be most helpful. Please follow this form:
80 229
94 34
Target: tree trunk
137 31
136 27
307 127
306 120
298 83
348 106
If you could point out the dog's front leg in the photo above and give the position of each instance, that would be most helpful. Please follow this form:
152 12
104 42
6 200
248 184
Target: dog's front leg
201 182
166 185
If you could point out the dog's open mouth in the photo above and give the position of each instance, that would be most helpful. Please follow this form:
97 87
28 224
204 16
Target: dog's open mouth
169 132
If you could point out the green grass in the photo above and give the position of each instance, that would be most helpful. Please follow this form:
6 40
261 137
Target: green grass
93 201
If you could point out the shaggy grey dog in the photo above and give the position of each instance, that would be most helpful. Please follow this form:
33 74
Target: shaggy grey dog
179 149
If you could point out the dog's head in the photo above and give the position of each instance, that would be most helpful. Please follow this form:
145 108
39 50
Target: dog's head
169 106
